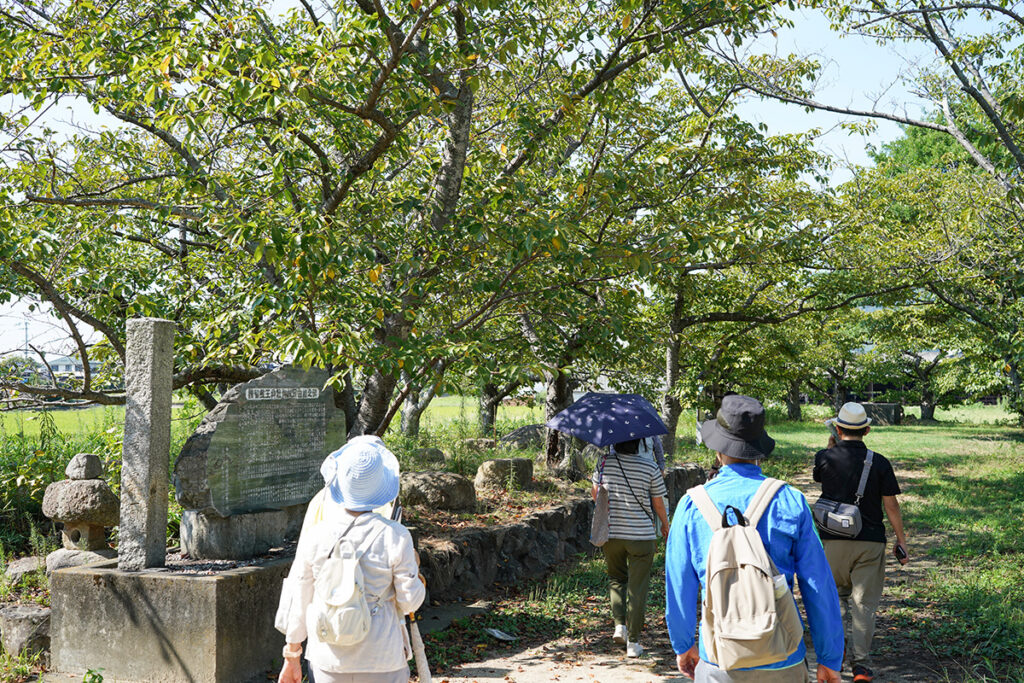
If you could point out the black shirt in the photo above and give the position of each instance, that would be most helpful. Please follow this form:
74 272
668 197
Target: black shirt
838 469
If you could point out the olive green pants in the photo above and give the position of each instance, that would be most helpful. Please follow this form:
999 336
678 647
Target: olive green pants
629 568
858 568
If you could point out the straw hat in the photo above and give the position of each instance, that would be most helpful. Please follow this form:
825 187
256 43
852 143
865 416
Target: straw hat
362 475
852 416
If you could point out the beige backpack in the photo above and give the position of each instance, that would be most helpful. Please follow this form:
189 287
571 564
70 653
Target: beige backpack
750 617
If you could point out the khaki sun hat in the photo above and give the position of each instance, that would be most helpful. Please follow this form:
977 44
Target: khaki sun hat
852 416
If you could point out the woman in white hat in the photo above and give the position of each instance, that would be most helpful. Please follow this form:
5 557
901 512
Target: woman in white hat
360 476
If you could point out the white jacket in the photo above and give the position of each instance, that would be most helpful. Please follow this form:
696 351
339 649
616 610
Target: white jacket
390 577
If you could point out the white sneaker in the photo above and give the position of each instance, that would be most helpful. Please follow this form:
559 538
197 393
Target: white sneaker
621 634
634 649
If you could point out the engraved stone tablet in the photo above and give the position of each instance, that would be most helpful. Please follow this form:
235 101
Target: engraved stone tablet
261 447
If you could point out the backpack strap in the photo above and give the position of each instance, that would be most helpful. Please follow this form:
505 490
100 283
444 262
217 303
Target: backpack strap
632 493
707 507
864 476
762 497
368 541
337 543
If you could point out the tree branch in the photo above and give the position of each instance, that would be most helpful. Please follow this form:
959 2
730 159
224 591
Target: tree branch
66 308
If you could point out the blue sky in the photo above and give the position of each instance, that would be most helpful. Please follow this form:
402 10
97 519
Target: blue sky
855 71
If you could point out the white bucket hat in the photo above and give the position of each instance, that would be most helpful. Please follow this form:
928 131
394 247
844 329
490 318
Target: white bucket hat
362 475
853 416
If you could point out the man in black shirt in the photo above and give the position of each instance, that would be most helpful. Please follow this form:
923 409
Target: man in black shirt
858 563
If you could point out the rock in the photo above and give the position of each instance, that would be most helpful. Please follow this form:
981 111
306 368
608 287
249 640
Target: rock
429 455
479 445
514 473
64 558
681 478
572 467
530 437
84 466
85 502
25 629
438 490
17 569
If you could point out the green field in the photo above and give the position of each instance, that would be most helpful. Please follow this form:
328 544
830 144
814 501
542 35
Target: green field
442 411
445 410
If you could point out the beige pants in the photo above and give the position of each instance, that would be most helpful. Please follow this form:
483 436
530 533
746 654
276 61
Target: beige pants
858 568
709 673
319 676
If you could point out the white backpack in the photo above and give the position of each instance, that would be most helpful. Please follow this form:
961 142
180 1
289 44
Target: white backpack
339 613
750 617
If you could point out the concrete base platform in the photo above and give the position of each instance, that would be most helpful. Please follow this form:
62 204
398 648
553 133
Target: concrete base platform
155 626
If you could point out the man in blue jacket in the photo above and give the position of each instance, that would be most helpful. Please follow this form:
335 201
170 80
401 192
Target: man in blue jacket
787 530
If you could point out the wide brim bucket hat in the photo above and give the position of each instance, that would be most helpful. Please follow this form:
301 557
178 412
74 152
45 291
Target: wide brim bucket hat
852 416
362 475
738 429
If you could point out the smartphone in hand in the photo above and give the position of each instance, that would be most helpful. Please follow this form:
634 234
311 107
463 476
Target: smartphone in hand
831 424
900 553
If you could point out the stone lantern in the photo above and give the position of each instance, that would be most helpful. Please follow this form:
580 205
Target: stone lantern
83 503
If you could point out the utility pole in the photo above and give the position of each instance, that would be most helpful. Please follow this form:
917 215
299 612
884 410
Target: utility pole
26 338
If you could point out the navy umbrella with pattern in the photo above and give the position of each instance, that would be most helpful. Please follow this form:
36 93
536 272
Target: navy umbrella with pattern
604 419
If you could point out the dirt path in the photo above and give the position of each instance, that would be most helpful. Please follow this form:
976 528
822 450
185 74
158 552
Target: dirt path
594 657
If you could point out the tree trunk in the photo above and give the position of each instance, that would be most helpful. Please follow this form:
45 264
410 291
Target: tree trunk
377 391
839 395
488 412
411 413
671 410
793 407
418 400
670 405
927 408
1016 400
348 402
375 403
345 401
557 399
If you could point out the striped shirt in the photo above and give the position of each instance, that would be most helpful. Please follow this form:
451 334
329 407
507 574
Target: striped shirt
630 513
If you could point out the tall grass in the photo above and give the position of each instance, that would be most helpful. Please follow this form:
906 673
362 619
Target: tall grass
36 447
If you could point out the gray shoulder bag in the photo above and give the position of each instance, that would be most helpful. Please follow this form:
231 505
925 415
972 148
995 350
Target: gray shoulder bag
843 519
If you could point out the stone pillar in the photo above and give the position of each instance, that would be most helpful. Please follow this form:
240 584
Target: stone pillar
149 366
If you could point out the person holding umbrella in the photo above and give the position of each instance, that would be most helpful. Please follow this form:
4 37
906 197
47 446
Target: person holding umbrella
361 476
636 494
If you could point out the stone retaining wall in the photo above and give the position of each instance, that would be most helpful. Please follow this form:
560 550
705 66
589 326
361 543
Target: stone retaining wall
468 563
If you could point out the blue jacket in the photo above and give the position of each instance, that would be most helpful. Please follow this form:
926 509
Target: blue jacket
787 529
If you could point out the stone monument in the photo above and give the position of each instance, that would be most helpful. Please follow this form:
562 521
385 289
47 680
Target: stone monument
246 473
148 372
150 618
884 413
